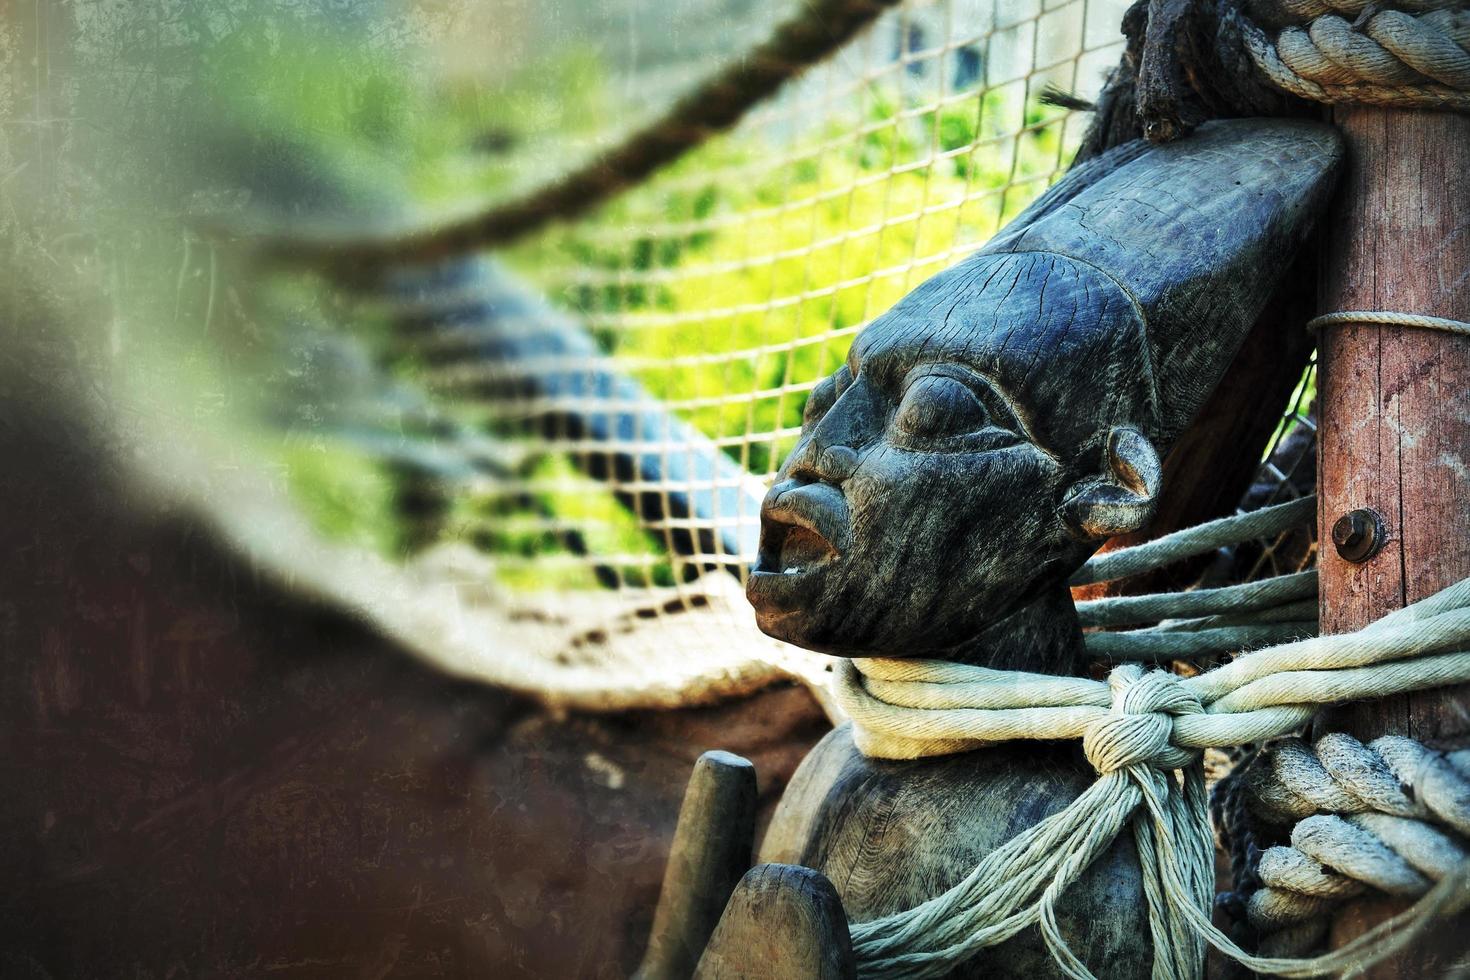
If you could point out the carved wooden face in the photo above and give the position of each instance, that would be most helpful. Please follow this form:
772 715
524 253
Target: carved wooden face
922 502
1006 416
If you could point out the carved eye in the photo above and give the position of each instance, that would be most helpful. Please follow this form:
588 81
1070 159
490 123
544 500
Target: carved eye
936 405
825 395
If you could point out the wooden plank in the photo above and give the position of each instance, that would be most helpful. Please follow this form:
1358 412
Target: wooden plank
784 922
710 853
1396 407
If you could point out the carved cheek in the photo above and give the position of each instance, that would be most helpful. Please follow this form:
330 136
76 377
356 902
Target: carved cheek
882 480
948 496
999 498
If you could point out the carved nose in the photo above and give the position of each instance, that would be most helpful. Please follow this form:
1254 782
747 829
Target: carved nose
837 463
813 464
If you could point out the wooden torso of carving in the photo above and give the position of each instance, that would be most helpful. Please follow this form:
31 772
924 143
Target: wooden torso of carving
891 835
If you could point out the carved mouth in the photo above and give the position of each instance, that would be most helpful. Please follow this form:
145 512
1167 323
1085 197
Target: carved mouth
804 529
802 549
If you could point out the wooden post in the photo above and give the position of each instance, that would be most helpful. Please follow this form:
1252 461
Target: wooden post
1395 433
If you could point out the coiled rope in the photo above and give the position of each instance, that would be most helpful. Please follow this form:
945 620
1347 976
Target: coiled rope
1138 729
1390 816
1417 57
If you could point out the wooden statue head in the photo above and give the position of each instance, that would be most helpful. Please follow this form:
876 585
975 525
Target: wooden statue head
1006 417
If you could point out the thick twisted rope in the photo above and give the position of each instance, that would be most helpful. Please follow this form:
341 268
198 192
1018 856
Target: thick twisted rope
1231 599
1221 621
1196 540
1417 57
1391 817
1137 730
1204 622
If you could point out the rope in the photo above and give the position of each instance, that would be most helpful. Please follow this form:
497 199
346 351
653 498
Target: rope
1383 816
1164 645
1196 540
1225 620
1249 597
1390 320
1418 60
712 106
1136 730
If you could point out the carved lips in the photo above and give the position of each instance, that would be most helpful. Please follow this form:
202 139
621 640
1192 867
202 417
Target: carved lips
805 529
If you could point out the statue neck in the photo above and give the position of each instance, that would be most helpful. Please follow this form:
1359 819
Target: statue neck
1043 637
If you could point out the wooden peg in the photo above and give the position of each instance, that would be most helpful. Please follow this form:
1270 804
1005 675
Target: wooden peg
711 850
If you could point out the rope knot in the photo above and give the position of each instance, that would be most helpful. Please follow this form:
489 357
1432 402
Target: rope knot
1138 729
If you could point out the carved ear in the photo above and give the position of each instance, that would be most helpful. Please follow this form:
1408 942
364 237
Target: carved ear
1123 499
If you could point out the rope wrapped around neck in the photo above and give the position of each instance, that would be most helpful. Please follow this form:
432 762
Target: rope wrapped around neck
1138 729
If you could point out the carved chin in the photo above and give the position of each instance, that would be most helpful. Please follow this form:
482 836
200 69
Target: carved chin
811 609
784 599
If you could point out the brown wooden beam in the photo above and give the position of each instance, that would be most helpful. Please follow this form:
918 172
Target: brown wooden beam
1395 406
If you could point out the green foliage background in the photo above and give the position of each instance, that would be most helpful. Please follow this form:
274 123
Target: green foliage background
773 242
798 236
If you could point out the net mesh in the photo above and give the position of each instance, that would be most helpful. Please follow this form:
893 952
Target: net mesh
612 514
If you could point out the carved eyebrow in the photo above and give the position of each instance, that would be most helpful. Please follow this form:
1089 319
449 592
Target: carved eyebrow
887 369
882 366
992 394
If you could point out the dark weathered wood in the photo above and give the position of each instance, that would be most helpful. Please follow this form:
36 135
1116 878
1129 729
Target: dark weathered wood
894 834
710 853
1210 468
783 923
995 425
1396 406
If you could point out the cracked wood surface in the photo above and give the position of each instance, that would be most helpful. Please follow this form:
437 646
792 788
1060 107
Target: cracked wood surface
1396 409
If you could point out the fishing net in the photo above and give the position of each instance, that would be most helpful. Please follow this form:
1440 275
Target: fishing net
641 371
542 466
729 284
